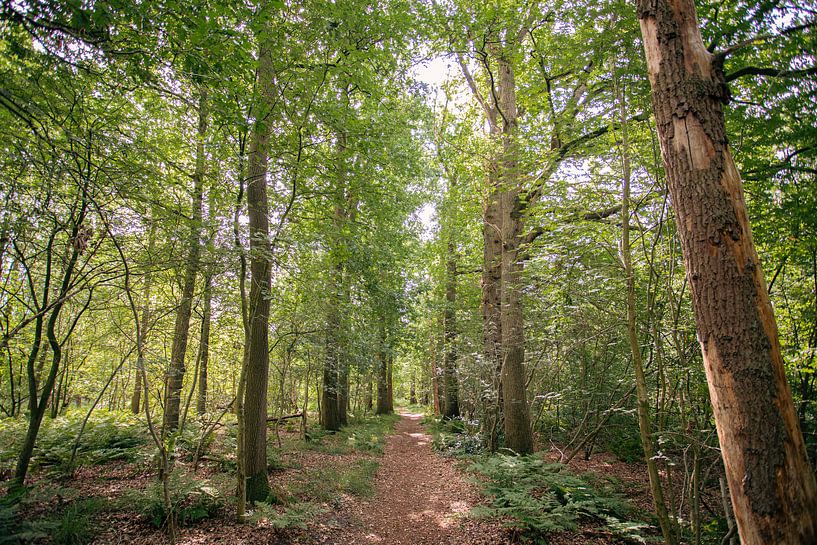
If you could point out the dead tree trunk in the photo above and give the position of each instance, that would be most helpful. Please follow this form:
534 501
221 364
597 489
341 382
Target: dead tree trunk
772 487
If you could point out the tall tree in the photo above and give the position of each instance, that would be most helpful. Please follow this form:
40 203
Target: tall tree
181 331
257 343
773 489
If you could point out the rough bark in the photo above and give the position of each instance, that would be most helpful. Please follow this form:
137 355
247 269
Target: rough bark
518 436
772 487
257 350
181 329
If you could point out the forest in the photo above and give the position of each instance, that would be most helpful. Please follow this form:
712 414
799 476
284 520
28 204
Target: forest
408 272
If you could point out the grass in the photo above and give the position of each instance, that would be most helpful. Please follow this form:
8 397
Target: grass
364 439
327 484
365 434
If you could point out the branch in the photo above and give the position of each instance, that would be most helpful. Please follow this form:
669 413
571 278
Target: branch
771 72
565 149
473 86
757 40
593 215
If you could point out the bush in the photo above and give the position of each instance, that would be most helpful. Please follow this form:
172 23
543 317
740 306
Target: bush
187 440
325 485
191 500
14 530
455 436
537 498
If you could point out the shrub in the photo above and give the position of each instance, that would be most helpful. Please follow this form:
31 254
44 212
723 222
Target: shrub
187 440
536 498
456 436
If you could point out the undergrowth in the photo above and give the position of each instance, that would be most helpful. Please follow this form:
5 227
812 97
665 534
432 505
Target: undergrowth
108 435
191 500
294 515
365 434
327 484
455 437
67 523
536 498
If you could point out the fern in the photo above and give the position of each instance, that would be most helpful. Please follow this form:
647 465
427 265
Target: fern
296 515
536 498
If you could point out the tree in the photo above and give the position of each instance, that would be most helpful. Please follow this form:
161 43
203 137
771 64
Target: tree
773 489
176 368
257 343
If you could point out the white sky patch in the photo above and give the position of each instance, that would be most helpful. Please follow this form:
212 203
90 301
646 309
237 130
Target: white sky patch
433 72
440 71
427 215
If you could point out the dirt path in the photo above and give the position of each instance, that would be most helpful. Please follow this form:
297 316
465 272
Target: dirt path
421 498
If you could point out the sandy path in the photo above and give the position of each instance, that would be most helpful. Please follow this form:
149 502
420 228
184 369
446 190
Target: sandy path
421 498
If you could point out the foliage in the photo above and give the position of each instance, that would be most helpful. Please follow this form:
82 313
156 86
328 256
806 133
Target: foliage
108 435
537 498
191 500
326 484
14 529
455 436
74 524
294 515
369 433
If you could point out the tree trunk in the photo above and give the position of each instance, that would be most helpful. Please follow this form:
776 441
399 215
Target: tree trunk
382 376
773 489
255 394
390 382
518 435
38 406
367 392
491 299
136 397
451 407
204 346
181 329
642 394
335 394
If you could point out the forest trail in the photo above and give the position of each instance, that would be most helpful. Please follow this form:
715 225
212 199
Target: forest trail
421 498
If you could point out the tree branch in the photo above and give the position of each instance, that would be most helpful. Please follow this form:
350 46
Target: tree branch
771 72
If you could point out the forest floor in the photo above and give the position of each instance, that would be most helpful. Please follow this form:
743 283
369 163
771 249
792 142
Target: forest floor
421 498
377 482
